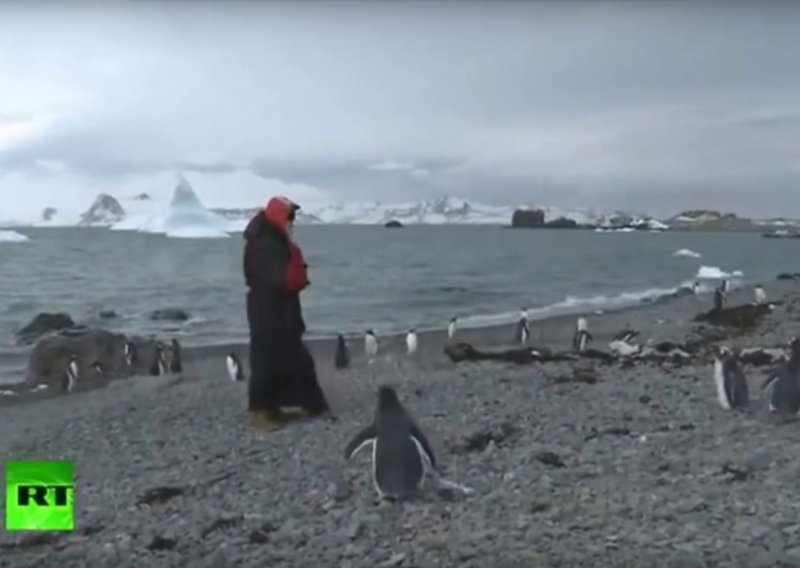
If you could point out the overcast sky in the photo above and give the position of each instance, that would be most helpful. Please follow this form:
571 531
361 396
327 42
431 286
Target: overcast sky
652 106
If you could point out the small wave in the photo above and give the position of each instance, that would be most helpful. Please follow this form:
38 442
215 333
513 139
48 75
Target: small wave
687 253
573 304
12 237
713 272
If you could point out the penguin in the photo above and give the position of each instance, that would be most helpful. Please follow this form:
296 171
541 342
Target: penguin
175 365
342 358
131 354
370 345
235 371
451 327
523 327
719 299
696 288
97 368
724 285
582 335
70 378
400 452
785 396
760 294
411 341
159 365
626 335
732 390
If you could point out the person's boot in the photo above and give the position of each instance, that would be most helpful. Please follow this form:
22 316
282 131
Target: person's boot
268 420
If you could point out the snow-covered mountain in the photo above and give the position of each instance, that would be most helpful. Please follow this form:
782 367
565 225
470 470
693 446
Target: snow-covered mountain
184 217
104 212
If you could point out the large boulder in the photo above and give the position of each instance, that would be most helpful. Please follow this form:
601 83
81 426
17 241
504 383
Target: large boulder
43 324
525 218
743 317
169 314
393 224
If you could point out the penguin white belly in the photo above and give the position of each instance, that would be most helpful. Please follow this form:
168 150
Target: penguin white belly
232 368
719 381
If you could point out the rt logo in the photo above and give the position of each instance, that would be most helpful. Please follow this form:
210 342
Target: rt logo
40 496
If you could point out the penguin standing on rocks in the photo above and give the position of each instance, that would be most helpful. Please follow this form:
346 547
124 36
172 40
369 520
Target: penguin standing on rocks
732 390
370 345
342 357
400 452
785 396
724 285
523 327
582 335
175 365
696 288
451 327
97 368
131 354
70 378
760 294
159 365
411 341
720 298
234 366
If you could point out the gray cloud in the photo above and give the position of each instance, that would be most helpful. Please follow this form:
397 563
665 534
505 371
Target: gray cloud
653 105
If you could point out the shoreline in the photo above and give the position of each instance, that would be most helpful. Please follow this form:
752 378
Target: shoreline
552 331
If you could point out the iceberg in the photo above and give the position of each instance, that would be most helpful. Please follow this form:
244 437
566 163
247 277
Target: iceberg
12 237
687 253
712 272
185 217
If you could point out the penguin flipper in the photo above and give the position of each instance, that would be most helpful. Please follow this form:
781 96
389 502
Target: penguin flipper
360 440
770 380
420 438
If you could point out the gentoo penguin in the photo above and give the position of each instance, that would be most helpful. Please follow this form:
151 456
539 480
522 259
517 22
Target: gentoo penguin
696 288
175 365
523 327
625 335
724 285
785 397
732 391
400 451
719 299
159 365
411 341
342 357
621 343
451 327
235 371
582 335
370 345
760 294
97 368
70 377
131 354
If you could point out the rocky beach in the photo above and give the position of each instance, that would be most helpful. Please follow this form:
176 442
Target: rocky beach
572 463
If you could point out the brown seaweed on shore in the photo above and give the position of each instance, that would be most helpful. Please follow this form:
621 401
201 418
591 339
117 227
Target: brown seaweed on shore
460 352
747 316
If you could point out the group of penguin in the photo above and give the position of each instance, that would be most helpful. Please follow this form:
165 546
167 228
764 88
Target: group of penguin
158 367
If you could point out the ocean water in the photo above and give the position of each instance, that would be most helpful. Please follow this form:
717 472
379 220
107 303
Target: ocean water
362 276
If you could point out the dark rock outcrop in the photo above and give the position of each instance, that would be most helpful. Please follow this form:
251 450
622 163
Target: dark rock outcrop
743 317
142 197
789 276
107 314
393 224
561 223
169 314
526 218
49 213
105 211
42 324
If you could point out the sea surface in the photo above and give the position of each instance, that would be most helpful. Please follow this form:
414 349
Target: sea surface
362 276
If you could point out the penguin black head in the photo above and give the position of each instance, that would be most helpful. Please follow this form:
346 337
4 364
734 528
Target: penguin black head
387 397
175 344
412 330
97 368
370 332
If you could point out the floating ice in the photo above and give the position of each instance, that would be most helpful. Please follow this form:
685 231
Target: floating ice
712 272
12 237
687 252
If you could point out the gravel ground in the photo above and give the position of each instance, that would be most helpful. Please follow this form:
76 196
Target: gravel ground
631 467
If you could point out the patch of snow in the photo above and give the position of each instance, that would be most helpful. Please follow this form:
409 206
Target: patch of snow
12 237
712 272
687 253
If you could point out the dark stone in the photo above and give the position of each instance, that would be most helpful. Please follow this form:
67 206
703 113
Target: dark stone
393 224
42 324
221 524
604 357
479 441
49 213
50 357
581 376
170 314
789 276
162 543
734 473
160 495
108 314
524 218
746 316
550 458
758 358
